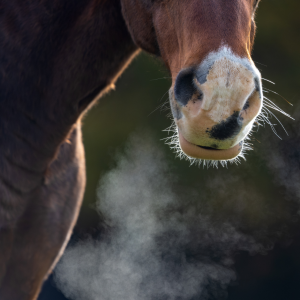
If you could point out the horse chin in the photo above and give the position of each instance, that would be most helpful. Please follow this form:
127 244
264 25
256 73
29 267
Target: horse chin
198 152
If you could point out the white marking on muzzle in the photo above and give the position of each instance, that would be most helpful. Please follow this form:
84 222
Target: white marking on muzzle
228 85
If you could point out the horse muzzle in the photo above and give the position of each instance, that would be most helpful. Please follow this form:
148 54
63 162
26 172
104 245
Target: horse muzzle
215 104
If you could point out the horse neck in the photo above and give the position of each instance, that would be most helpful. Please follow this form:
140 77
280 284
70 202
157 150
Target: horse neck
63 54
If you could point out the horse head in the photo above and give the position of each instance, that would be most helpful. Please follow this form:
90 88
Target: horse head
216 91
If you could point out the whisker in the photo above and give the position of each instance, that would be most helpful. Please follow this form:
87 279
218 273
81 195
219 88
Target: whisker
265 118
275 107
266 114
277 120
160 105
278 95
260 64
268 80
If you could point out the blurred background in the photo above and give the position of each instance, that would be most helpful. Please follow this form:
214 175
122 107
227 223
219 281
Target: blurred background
269 177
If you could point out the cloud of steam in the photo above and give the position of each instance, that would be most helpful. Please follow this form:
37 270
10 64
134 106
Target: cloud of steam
163 242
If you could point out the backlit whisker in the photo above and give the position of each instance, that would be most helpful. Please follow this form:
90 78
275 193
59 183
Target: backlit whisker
268 80
265 89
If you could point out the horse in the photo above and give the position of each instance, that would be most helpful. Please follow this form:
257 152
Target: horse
58 57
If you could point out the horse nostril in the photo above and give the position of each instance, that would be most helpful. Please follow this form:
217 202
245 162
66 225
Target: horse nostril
184 88
257 82
247 104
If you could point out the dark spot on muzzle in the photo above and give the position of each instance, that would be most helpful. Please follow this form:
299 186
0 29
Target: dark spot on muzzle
228 128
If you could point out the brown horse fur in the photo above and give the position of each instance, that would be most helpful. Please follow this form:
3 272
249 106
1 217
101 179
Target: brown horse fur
56 58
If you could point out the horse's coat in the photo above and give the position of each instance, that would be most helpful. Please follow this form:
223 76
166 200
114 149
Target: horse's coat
57 57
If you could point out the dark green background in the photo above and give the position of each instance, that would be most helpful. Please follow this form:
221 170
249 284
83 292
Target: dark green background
135 105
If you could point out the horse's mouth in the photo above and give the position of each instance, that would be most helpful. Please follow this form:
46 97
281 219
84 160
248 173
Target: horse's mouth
208 148
203 152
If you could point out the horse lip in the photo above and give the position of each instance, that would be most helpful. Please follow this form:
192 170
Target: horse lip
201 152
208 148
